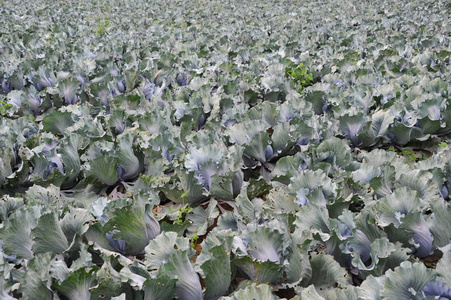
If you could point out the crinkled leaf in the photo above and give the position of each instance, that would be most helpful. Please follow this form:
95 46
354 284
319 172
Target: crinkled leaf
334 151
310 220
371 288
264 244
160 249
394 207
406 281
253 291
36 282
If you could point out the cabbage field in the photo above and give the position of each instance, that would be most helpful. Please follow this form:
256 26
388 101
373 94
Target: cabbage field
225 149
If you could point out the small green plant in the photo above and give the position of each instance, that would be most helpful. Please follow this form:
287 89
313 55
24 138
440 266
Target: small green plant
392 149
195 237
300 75
409 154
413 156
4 107
183 211
102 25
443 145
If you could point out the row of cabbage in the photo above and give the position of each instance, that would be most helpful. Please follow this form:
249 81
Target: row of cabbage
310 141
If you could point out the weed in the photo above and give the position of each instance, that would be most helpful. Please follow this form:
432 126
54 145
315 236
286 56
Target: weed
194 237
300 75
4 107
183 211
409 154
102 25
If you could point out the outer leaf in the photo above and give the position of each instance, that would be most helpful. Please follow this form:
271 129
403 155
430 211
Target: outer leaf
130 225
16 237
226 187
57 122
394 207
96 234
326 272
103 169
349 293
77 286
406 280
36 283
422 238
377 128
160 288
75 222
441 218
383 185
264 272
297 266
371 288
253 291
186 188
160 249
188 284
310 220
264 244
71 159
68 89
287 167
334 150
314 186
256 149
201 219
217 272
128 163
310 293
402 133
351 127
5 290
281 139
443 266
109 280
48 236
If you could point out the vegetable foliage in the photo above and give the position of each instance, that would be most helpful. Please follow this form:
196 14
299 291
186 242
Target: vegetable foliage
225 150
